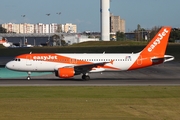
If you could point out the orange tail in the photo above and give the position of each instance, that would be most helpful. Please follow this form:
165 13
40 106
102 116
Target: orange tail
154 52
158 44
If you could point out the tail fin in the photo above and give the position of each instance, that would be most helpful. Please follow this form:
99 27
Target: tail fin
154 52
158 44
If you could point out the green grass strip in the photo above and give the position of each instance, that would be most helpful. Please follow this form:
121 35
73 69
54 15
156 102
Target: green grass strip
90 103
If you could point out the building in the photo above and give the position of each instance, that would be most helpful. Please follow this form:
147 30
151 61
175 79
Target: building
18 28
70 28
122 25
9 27
45 28
24 28
53 27
117 24
40 28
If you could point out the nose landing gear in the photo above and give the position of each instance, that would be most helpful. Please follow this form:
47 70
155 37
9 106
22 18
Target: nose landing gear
28 77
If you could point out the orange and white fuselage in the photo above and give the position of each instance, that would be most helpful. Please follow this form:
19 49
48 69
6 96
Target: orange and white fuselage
68 65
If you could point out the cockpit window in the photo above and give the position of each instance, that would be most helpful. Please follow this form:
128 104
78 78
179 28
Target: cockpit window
17 59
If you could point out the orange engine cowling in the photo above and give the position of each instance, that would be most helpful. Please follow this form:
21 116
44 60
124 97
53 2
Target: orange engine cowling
65 72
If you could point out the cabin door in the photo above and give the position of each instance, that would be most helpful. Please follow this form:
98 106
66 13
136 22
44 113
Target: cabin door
28 60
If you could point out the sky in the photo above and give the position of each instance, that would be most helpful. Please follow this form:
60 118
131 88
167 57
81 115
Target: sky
86 13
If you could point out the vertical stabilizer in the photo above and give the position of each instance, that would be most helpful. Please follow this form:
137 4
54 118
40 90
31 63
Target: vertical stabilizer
157 46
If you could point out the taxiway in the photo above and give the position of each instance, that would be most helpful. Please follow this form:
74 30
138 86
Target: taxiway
164 74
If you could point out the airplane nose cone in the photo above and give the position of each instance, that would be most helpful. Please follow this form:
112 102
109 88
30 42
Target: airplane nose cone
9 65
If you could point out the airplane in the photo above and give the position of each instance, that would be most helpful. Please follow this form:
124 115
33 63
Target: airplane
5 43
69 65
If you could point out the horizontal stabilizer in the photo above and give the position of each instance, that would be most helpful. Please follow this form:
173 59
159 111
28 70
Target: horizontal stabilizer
168 58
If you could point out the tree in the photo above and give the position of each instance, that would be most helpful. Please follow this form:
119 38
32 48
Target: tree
154 31
175 35
3 30
57 40
120 36
59 29
140 33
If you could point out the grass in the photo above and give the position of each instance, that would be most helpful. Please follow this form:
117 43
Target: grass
90 103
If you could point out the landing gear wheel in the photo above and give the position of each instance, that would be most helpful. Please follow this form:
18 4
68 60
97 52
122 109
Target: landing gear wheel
85 77
28 78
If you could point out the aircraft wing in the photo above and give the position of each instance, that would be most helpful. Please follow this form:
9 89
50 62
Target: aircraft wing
88 67
91 65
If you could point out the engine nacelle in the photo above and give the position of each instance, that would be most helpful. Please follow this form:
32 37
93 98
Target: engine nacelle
65 72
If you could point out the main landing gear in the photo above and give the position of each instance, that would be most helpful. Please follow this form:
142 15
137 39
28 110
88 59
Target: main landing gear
85 77
28 77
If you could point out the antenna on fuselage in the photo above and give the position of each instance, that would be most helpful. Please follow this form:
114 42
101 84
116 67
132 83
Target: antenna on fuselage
30 53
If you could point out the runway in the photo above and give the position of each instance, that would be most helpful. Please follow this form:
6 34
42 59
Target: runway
166 74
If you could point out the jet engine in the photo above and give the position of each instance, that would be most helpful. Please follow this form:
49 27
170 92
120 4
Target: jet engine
65 72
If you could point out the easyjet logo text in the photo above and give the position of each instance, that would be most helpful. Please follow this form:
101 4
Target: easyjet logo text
158 40
48 57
